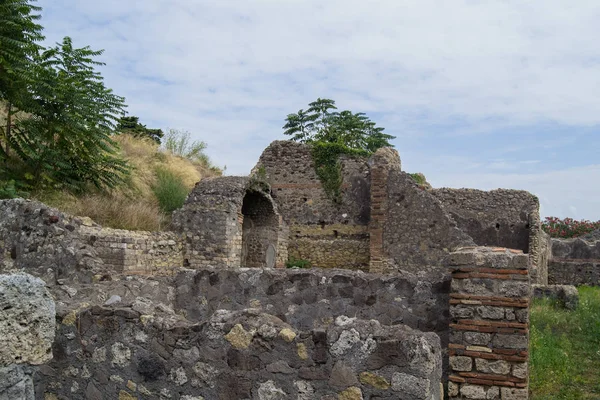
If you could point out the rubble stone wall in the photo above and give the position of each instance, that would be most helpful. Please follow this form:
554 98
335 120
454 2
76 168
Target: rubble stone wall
312 216
27 327
418 233
35 237
540 253
574 262
313 297
489 330
149 253
492 218
238 341
230 221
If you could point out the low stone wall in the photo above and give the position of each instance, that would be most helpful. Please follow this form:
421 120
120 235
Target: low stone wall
566 295
149 253
574 262
331 246
109 353
574 272
489 333
314 297
55 246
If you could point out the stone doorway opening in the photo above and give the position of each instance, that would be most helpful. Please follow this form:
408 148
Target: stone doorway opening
259 231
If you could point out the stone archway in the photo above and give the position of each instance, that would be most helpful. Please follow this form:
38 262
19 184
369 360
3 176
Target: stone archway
259 231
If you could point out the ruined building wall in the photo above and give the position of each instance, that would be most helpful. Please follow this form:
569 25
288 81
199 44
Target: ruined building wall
492 218
503 218
248 333
315 221
309 298
34 236
210 222
120 353
489 332
574 262
418 233
231 222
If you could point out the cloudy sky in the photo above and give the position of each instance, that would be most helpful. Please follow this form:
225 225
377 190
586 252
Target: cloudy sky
481 94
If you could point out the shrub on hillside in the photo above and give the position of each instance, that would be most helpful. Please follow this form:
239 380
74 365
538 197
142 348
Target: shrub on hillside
169 190
568 227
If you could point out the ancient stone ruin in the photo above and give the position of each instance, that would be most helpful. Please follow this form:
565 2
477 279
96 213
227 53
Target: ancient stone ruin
414 293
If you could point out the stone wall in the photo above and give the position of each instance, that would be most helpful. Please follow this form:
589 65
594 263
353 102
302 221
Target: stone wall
313 297
489 333
325 335
418 233
492 218
54 245
150 253
27 326
314 219
540 253
574 262
382 163
45 242
231 221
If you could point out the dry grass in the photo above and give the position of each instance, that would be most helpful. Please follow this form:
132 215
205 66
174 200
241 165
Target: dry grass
135 206
113 210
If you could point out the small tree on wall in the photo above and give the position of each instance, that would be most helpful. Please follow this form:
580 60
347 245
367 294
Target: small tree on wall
321 124
331 134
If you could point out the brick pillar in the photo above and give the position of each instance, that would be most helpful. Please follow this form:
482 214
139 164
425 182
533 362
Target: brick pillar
379 175
489 329
382 163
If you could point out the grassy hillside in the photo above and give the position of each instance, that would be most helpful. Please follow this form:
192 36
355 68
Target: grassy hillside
159 183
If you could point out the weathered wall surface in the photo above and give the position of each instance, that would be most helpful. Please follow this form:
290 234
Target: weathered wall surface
418 232
540 253
150 253
27 327
54 245
211 221
227 222
492 218
289 169
121 352
574 262
45 242
310 298
489 337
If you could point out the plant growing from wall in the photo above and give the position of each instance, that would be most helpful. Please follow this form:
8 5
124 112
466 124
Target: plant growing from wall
332 134
297 263
326 157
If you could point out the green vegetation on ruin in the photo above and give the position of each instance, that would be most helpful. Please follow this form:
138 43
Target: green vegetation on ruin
332 134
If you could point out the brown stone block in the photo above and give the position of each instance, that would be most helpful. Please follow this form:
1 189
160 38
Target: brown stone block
477 381
455 378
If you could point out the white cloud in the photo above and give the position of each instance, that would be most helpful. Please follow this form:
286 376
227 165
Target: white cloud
229 71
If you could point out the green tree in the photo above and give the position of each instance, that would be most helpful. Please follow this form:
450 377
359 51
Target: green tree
19 37
131 125
67 141
319 124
